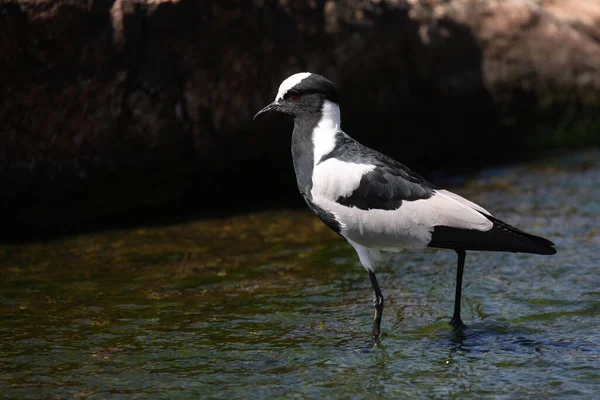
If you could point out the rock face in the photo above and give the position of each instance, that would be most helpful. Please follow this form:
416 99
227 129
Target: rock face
113 109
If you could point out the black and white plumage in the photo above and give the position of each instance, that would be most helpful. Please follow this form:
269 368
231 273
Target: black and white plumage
375 202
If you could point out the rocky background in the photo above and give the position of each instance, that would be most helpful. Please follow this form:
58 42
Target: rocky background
131 111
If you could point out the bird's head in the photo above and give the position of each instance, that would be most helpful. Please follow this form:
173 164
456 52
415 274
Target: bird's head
300 94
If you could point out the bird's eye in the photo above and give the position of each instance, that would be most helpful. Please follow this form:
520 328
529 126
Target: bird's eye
293 96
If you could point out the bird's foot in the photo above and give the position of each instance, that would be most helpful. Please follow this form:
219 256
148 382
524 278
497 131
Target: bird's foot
375 333
375 338
457 324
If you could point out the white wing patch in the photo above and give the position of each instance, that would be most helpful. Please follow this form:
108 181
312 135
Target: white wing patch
455 212
464 201
334 178
411 225
290 82
323 137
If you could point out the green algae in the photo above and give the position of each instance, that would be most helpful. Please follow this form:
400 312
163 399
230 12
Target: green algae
274 305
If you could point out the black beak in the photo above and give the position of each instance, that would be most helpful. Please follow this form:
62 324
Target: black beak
271 107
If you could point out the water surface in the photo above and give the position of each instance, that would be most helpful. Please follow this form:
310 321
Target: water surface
274 305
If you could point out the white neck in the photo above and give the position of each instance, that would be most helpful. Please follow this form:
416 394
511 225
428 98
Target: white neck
325 131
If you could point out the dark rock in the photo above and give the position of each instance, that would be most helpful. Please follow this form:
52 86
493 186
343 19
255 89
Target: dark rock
132 110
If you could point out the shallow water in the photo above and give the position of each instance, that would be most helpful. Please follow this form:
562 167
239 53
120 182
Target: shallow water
273 305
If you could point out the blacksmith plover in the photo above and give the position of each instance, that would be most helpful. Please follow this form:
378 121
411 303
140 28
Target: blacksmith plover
376 203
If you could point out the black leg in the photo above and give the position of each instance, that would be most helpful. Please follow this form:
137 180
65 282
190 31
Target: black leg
456 322
378 303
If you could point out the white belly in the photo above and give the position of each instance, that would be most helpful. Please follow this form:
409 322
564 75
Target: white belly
409 226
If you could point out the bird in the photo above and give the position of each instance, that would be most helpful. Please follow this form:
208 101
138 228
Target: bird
376 203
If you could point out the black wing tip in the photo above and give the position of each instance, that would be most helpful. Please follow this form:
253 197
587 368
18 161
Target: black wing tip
542 250
502 237
549 247
549 250
532 244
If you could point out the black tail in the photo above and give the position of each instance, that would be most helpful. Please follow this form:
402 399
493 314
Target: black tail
502 237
